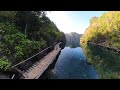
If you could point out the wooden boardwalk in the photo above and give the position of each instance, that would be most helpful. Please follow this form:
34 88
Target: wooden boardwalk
38 68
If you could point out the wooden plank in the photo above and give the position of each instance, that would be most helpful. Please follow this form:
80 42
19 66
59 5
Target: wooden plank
36 71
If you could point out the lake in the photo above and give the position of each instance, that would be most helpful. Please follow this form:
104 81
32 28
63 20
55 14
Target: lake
106 62
86 62
72 64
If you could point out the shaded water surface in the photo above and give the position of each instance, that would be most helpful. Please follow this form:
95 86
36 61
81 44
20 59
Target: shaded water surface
71 64
106 62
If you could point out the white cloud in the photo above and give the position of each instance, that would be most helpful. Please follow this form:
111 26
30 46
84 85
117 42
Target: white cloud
64 22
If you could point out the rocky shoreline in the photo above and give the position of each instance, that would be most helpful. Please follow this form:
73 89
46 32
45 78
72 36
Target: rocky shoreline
106 47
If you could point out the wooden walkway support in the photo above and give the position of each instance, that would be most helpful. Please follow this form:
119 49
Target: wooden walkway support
39 67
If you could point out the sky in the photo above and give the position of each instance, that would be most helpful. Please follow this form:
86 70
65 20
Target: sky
72 21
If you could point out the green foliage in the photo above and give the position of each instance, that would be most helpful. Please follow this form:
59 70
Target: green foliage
4 63
19 52
39 26
104 30
28 18
7 16
14 44
7 28
25 33
117 45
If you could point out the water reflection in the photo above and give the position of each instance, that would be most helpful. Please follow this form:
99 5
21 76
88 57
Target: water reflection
107 63
72 64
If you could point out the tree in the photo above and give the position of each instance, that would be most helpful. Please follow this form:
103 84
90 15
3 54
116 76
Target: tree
104 30
25 33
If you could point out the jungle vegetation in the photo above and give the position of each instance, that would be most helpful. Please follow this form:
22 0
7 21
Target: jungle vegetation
25 33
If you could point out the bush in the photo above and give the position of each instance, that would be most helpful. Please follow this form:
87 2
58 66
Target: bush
116 45
15 46
4 63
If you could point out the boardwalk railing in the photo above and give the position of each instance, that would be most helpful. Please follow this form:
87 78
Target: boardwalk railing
25 64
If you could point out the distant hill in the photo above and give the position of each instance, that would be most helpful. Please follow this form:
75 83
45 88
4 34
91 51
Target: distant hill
73 39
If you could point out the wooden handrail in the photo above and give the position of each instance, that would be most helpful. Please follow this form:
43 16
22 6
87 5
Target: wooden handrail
13 76
30 58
